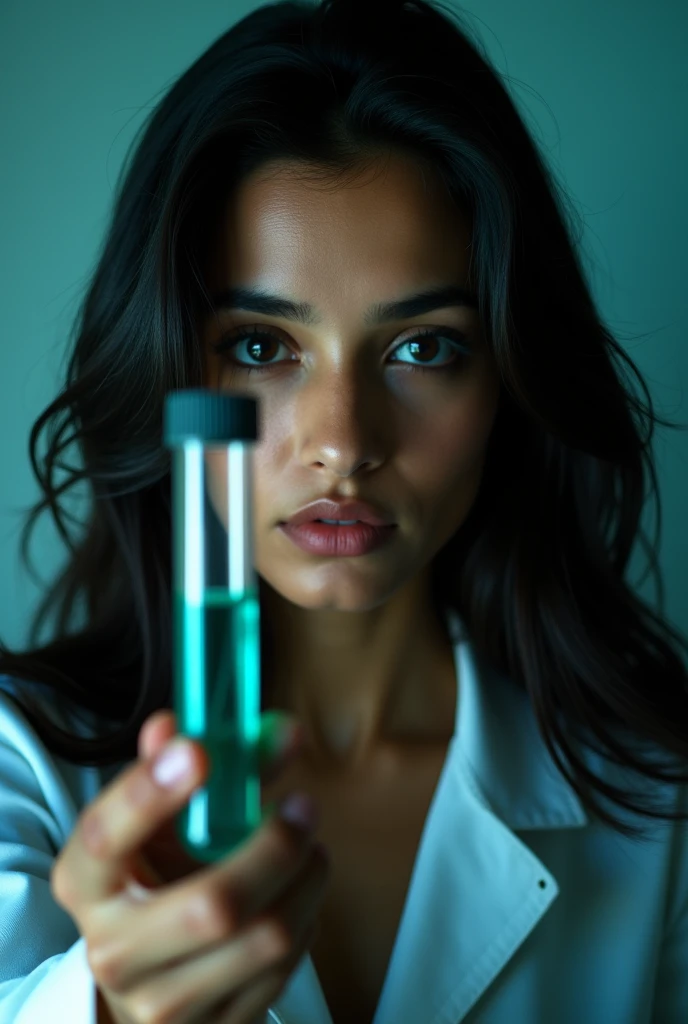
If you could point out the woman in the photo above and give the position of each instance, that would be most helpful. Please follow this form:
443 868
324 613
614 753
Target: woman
338 209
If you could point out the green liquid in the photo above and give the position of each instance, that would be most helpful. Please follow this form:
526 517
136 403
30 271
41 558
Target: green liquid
217 702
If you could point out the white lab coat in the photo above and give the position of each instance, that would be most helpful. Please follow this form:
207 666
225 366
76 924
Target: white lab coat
519 911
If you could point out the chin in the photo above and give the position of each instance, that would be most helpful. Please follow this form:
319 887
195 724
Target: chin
333 595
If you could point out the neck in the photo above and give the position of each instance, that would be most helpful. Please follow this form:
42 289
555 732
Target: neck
360 682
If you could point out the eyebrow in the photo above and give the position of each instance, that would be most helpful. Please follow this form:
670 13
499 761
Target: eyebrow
255 300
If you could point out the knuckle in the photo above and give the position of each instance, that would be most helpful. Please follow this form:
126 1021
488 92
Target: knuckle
166 1015
138 787
182 1008
160 1014
276 940
145 1009
106 966
211 915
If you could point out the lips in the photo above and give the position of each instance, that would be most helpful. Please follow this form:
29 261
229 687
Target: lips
319 539
326 508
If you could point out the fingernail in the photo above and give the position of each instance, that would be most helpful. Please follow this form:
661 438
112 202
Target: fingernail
173 764
299 809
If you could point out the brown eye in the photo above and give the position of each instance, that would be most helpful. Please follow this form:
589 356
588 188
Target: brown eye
427 345
261 346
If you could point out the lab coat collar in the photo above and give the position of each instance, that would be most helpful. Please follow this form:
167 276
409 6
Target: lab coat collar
477 890
496 731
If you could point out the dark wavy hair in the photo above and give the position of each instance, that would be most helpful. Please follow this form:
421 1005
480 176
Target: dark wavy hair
537 569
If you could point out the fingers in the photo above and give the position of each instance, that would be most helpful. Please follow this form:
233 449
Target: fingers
281 737
155 732
122 817
269 950
135 807
129 944
163 850
260 957
250 1005
196 940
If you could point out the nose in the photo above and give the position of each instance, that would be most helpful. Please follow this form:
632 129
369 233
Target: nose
342 424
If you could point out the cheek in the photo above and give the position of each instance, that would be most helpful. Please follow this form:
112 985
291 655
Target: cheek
444 453
272 499
439 456
446 470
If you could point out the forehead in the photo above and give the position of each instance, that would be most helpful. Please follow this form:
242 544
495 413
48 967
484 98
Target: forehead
391 222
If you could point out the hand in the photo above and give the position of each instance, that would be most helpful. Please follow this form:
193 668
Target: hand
162 856
210 943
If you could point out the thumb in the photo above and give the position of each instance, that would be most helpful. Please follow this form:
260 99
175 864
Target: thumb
157 730
281 733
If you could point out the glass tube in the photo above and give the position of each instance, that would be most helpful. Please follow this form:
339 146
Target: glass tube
216 640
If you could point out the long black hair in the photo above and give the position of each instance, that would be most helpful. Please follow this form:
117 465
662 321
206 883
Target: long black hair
537 570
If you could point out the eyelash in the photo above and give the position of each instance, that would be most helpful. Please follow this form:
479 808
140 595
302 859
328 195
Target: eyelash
233 338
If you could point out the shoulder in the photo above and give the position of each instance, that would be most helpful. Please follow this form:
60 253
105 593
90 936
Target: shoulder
661 852
31 776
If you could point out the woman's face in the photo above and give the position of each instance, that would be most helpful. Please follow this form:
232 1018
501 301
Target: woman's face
341 408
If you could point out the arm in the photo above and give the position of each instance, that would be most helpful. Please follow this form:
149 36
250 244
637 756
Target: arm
44 970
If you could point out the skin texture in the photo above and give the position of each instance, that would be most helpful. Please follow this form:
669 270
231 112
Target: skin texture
363 662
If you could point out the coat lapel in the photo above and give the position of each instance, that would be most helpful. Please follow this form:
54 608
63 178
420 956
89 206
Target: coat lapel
476 891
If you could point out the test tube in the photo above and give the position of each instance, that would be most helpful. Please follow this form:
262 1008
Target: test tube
216 616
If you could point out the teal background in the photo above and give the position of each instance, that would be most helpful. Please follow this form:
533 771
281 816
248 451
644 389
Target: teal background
603 86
